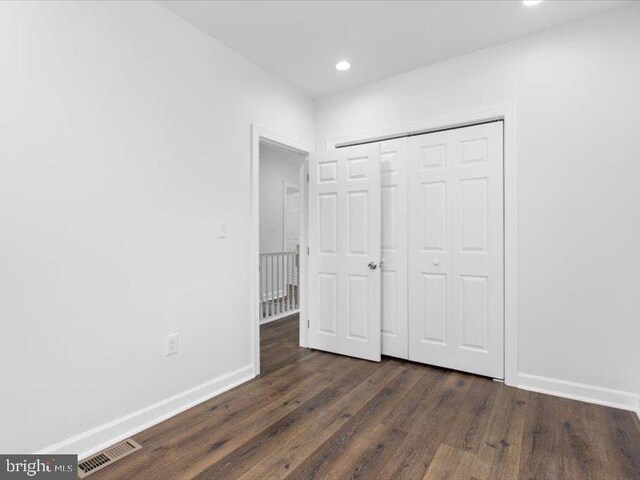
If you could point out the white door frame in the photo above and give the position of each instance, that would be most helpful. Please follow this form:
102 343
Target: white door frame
259 133
286 185
507 113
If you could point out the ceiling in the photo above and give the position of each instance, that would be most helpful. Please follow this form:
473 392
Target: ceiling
301 41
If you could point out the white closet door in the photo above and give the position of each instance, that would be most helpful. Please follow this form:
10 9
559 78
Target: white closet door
344 240
393 165
456 276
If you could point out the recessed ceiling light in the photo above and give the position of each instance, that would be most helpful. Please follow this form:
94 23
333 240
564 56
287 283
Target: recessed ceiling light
531 3
343 65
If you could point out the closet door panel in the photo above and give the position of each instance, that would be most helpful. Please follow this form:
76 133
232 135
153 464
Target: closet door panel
429 250
393 162
344 249
478 237
456 272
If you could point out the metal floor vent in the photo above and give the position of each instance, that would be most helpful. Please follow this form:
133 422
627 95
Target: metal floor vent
107 457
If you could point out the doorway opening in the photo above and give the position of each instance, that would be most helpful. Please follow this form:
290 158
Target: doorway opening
278 187
280 204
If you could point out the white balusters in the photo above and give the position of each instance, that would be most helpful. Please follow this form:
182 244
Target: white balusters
279 274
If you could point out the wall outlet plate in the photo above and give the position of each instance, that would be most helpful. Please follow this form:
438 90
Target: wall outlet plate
171 344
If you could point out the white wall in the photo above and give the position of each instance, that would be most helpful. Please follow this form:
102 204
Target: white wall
577 91
124 140
277 165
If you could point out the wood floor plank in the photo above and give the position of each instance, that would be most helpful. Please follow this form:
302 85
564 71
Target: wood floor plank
372 450
502 441
326 458
221 443
286 455
540 456
374 441
324 403
582 456
312 414
472 415
619 440
403 416
431 423
451 463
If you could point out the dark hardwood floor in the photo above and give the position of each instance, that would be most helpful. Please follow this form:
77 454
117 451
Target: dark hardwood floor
314 415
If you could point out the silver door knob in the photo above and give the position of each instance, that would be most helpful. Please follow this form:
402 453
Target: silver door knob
436 262
373 265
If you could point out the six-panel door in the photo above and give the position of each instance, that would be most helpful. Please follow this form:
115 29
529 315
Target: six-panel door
344 241
456 284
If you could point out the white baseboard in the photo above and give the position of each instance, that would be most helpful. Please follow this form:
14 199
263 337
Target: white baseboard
580 391
279 316
87 443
